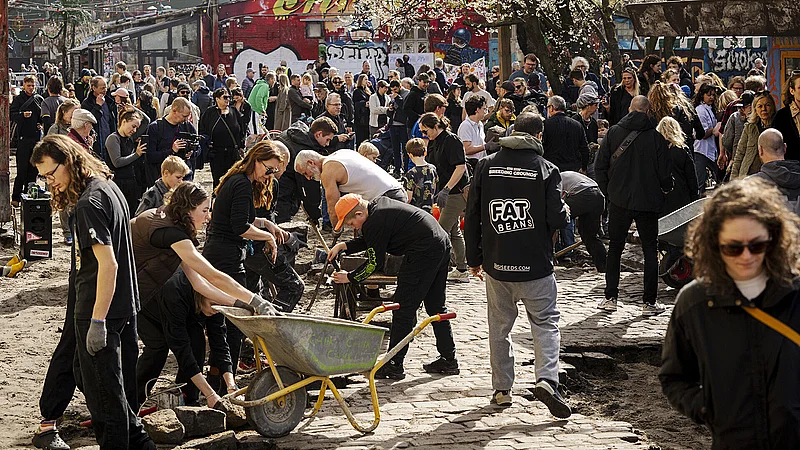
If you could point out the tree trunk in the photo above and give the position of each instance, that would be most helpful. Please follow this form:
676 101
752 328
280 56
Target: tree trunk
535 41
650 45
607 17
5 126
668 50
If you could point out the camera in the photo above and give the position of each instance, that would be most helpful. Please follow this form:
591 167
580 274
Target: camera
192 142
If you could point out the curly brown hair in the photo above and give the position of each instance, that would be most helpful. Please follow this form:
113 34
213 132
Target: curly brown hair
180 202
262 151
760 200
77 161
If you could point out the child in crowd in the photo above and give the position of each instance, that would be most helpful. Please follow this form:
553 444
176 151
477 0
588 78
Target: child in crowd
173 169
420 181
307 87
602 129
369 151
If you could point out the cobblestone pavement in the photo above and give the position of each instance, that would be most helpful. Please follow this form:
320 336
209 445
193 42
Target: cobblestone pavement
424 411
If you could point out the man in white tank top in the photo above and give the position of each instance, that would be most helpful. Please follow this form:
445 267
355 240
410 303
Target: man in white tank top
346 171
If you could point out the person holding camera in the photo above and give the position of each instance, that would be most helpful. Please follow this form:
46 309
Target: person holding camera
170 136
122 151
221 127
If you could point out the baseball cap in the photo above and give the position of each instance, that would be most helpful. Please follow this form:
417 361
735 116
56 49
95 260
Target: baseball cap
85 73
121 92
586 99
199 83
508 86
82 115
746 99
184 87
345 204
423 77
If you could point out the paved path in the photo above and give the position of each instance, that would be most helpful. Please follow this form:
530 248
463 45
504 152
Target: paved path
425 411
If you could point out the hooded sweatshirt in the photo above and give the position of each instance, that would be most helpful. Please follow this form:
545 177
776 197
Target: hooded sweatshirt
513 208
783 174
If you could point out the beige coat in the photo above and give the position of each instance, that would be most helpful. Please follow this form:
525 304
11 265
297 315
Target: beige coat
746 160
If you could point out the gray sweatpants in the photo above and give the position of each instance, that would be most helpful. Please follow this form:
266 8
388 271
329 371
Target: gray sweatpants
539 298
450 220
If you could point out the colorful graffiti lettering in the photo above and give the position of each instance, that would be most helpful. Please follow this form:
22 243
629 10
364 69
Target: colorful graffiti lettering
284 8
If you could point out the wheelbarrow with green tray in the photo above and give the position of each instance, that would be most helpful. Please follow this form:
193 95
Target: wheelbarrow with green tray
301 350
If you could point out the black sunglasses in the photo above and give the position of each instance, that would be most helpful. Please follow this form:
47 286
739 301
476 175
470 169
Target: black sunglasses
226 97
424 132
756 248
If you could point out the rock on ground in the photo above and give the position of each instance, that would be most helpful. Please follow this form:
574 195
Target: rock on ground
164 427
200 421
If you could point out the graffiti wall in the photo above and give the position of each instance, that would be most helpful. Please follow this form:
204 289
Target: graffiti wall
733 60
349 57
251 58
458 44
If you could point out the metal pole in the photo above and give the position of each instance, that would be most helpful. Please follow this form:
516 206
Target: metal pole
5 125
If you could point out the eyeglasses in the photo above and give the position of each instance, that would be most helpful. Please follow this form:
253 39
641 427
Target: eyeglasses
518 86
755 248
226 97
337 82
269 169
334 104
49 176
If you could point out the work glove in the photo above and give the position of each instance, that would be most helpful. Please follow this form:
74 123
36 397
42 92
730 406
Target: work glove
96 337
263 307
240 304
441 197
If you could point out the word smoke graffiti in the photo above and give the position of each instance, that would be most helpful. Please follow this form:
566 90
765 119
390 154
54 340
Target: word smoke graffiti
734 60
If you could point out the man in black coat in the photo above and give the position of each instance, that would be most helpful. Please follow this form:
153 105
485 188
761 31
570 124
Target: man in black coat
564 138
26 112
634 180
333 111
299 104
103 106
786 119
414 103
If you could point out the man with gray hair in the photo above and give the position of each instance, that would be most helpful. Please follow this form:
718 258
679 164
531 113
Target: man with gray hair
333 111
441 79
634 172
514 206
777 170
564 138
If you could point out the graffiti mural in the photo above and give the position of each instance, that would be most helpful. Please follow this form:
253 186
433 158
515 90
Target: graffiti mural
253 59
739 60
459 44
348 57
282 9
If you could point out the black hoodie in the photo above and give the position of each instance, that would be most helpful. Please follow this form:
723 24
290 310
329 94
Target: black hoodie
293 187
638 179
414 105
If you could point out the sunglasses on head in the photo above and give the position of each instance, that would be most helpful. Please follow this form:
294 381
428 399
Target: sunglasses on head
755 248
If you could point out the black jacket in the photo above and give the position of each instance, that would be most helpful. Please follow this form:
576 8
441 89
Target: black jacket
90 104
335 143
785 175
686 190
299 106
295 188
638 179
414 105
513 208
360 102
722 367
27 127
565 143
784 123
347 105
618 104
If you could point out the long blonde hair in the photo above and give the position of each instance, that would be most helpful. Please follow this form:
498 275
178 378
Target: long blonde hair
754 115
725 99
672 132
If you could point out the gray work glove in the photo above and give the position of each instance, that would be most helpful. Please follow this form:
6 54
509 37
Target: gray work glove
96 337
441 197
240 304
263 307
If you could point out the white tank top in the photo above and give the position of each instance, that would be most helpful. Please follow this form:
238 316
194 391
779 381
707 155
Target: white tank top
364 177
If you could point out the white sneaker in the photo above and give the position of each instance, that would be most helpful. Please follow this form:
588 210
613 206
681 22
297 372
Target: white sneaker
458 276
608 304
653 309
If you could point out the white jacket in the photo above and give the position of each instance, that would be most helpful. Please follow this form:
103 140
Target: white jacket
375 108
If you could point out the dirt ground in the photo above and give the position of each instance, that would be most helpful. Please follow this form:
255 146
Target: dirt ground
32 308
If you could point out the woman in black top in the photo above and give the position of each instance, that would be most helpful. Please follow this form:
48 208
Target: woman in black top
121 154
454 106
620 99
165 239
222 127
241 190
248 118
361 106
145 103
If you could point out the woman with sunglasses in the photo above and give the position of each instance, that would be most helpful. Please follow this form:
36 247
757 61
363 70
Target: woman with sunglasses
245 187
746 160
721 366
221 125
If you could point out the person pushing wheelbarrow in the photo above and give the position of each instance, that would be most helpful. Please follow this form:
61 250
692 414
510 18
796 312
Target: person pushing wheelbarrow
397 228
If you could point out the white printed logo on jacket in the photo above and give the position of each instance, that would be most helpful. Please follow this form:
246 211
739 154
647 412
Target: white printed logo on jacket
510 215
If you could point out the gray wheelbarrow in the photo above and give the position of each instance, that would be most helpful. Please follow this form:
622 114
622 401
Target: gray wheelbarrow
675 268
301 350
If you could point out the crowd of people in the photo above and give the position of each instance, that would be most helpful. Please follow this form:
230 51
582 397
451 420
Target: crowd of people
465 179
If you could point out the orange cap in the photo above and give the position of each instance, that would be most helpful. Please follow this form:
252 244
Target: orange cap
345 204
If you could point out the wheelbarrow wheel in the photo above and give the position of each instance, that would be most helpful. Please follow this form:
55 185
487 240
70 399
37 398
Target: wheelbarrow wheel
273 419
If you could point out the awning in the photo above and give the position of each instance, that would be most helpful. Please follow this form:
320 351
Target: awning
716 17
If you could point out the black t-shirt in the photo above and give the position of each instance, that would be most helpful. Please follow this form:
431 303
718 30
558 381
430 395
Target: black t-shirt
165 237
101 216
446 153
233 209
